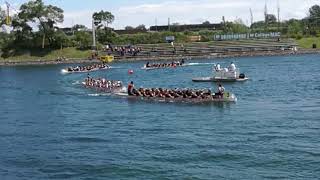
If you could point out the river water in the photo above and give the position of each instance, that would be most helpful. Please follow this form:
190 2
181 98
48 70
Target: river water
53 128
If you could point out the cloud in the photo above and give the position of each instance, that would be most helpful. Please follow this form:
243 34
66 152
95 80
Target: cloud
197 11
78 17
189 11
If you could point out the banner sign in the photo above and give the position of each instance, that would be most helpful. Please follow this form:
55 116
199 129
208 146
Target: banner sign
220 37
169 39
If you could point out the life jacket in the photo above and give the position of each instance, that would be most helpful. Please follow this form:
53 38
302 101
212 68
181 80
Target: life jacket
130 86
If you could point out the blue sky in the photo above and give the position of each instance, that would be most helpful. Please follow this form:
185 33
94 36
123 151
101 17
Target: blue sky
148 12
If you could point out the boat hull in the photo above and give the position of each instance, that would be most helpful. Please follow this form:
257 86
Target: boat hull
211 79
65 71
231 98
154 68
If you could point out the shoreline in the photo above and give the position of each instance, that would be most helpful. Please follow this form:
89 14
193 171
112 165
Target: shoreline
154 58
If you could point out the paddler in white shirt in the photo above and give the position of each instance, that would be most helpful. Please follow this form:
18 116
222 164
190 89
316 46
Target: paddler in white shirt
232 67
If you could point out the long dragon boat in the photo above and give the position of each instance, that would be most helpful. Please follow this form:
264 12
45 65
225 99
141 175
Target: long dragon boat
85 69
185 95
158 94
173 64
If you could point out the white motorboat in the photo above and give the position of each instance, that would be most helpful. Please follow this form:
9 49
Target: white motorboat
223 75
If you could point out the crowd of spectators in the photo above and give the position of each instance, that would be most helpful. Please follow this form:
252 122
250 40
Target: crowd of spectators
122 50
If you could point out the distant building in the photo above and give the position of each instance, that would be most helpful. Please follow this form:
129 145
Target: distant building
131 31
187 27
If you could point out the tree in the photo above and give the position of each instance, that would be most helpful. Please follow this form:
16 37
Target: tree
103 18
83 39
79 27
314 11
45 15
239 27
206 23
22 35
2 16
60 39
294 27
141 27
258 25
314 15
129 28
271 18
105 36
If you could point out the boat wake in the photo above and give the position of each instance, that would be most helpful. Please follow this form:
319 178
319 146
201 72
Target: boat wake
199 64
76 83
119 92
99 94
122 94
64 71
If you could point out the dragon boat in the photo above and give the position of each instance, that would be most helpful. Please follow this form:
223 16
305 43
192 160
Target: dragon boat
174 64
181 96
85 69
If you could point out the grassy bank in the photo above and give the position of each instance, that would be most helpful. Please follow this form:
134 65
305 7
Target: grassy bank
195 49
307 42
43 55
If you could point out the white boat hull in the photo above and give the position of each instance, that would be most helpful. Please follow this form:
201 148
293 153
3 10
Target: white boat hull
213 79
65 71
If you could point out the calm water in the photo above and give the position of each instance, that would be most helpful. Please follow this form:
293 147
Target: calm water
52 128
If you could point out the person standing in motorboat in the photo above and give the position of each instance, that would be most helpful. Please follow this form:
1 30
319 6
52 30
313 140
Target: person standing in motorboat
217 71
221 90
130 88
217 67
232 67
233 70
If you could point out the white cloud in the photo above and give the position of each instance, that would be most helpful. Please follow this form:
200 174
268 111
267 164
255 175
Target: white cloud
78 17
191 11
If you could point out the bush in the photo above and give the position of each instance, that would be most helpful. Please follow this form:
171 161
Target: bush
299 36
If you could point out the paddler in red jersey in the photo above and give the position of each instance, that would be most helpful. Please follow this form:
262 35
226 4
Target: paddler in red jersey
130 88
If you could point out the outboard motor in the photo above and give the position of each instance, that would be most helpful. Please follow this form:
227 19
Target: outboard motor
242 76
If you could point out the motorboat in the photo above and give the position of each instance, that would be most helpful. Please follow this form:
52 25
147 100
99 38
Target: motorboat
223 75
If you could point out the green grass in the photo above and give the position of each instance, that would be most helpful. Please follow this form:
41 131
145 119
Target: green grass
307 42
49 55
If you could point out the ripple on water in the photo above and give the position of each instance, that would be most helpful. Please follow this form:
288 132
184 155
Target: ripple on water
53 128
87 140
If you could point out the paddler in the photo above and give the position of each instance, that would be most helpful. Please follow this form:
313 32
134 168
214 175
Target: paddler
130 88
